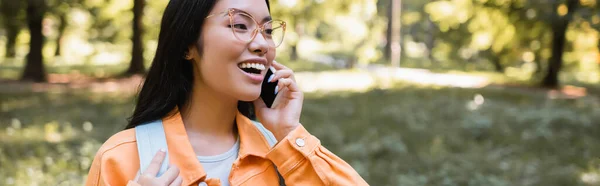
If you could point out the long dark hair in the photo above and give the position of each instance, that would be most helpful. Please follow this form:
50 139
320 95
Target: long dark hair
170 78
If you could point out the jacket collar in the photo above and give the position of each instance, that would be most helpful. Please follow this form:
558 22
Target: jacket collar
181 153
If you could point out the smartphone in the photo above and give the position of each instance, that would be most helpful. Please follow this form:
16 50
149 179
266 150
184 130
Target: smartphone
267 92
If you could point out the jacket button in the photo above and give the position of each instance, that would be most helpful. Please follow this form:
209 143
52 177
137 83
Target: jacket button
300 142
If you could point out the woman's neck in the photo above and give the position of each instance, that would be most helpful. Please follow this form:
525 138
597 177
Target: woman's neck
209 112
209 120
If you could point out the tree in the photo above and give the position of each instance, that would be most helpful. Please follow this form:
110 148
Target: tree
346 32
10 10
431 31
60 8
395 34
137 54
559 28
34 69
61 32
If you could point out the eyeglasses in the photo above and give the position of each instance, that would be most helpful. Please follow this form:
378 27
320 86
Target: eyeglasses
244 27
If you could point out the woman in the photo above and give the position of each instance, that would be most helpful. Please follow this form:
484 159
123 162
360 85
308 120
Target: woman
211 59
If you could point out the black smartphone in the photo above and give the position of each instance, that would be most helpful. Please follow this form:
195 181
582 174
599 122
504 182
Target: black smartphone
267 92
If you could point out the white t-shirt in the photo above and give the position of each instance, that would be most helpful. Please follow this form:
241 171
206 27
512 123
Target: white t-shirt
219 166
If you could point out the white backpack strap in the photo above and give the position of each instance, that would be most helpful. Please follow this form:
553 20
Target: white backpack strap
266 133
150 139
272 141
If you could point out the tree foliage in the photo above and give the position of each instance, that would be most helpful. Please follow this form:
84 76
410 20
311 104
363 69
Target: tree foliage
514 37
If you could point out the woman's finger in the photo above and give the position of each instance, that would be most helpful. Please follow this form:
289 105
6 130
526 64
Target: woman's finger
278 98
154 166
137 177
178 181
289 83
170 175
285 73
278 66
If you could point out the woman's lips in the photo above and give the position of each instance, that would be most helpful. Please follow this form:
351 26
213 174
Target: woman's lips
255 78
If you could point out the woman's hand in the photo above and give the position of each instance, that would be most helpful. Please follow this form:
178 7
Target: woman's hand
169 178
284 114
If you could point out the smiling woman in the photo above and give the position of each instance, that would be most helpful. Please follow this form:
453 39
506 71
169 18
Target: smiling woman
192 113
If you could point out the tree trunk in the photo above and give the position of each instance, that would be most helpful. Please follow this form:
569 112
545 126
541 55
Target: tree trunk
559 29
34 69
555 62
299 29
294 53
61 31
539 63
497 61
10 10
396 33
388 34
11 33
137 54
430 39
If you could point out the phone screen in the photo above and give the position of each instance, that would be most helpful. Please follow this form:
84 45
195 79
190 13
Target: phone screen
267 92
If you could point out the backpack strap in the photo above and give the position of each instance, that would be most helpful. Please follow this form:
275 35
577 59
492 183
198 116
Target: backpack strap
150 139
266 133
272 141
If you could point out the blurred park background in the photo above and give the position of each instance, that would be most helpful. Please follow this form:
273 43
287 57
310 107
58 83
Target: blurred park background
409 92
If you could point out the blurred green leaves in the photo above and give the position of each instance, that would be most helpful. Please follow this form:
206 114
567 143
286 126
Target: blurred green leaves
512 36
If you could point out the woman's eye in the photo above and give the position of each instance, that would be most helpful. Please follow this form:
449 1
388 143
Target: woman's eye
239 26
269 31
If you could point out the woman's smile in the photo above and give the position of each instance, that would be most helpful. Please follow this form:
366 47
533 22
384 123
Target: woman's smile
254 69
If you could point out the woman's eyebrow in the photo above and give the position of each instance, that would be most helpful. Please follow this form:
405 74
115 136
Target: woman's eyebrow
268 18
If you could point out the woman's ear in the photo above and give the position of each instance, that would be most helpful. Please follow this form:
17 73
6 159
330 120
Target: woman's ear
191 52
187 56
194 51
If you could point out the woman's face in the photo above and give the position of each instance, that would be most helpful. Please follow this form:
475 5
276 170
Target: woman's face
224 56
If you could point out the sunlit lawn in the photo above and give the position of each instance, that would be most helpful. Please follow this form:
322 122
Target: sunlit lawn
409 135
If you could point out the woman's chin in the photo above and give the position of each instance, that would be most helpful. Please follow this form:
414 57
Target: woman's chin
245 91
249 96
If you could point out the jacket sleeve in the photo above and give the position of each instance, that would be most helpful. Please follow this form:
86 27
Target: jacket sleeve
302 160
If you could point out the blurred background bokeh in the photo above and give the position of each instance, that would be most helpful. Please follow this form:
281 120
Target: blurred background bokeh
409 92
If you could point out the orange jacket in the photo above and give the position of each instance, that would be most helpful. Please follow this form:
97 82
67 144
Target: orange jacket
299 157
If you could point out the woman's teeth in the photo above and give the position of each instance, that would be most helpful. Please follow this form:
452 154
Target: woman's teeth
252 66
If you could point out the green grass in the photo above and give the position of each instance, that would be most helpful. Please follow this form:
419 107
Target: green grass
409 135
